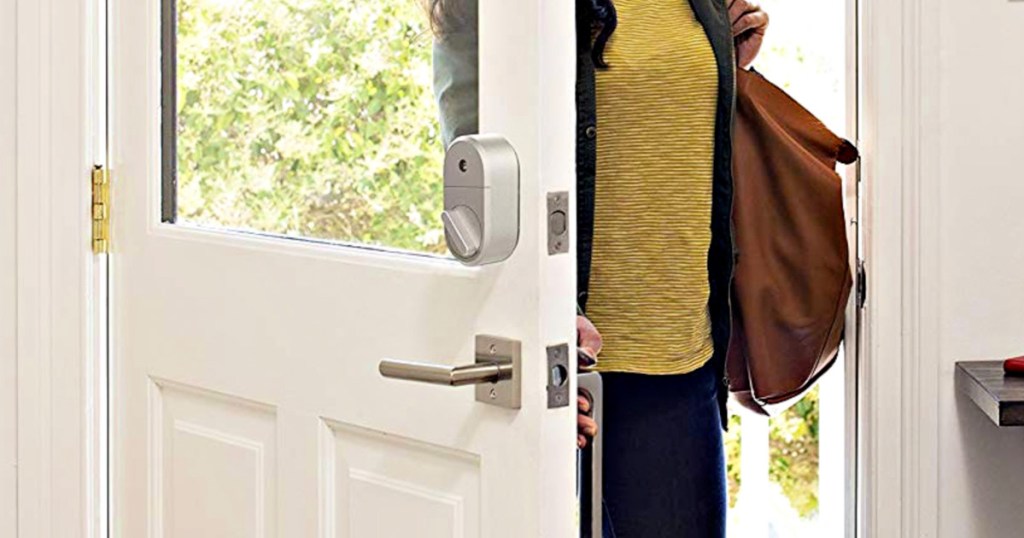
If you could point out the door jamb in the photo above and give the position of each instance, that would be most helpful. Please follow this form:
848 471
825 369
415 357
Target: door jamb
899 106
60 343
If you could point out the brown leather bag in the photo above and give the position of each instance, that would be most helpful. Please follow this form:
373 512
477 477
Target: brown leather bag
793 277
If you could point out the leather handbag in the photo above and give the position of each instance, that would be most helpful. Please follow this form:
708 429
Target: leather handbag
792 276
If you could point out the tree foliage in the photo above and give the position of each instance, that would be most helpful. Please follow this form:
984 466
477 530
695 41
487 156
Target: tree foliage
793 453
309 117
733 446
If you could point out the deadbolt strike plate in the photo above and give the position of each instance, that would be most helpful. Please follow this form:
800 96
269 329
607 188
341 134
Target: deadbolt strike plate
558 223
494 349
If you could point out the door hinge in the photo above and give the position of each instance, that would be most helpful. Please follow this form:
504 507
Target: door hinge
100 180
862 284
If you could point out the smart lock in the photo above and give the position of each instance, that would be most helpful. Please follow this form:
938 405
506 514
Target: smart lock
481 199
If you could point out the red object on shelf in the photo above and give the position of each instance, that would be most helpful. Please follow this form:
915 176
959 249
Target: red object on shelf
1014 366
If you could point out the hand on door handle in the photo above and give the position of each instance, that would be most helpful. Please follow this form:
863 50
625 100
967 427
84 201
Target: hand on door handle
455 376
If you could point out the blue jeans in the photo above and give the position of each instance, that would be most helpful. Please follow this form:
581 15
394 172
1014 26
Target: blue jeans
664 464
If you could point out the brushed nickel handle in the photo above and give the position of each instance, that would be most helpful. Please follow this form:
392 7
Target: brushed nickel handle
454 376
496 372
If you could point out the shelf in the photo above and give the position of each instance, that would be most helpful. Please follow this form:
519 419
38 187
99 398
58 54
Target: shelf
1001 397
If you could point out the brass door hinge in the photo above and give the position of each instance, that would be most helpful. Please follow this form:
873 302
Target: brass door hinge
100 210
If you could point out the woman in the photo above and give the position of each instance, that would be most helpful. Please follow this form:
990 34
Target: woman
655 94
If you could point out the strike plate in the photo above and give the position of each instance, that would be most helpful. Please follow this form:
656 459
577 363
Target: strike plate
558 223
558 376
507 393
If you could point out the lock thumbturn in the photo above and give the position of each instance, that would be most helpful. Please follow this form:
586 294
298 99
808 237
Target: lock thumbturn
462 231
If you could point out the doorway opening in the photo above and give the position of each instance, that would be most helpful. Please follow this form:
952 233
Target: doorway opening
789 476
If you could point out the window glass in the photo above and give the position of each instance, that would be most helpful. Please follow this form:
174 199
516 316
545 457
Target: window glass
308 118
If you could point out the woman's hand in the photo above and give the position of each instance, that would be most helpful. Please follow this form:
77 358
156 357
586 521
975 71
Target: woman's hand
749 24
585 426
589 342
587 337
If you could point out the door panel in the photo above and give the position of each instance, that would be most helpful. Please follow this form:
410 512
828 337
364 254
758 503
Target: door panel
430 490
198 435
247 398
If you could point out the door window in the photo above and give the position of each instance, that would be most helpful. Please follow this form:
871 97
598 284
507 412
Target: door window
310 119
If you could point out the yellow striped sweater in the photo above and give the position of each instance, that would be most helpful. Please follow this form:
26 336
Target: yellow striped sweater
655 148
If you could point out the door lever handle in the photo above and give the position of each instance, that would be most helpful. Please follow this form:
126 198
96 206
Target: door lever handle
496 372
455 376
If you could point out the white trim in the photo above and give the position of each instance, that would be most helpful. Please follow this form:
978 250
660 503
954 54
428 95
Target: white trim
384 258
899 393
852 346
59 378
8 277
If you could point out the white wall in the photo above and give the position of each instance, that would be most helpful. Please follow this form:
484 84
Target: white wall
8 394
981 257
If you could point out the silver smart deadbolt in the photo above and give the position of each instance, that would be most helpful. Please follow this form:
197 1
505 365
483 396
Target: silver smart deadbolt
481 199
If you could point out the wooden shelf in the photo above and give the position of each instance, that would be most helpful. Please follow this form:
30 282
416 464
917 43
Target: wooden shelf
1001 397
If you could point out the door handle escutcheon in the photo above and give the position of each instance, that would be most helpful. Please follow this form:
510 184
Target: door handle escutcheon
496 372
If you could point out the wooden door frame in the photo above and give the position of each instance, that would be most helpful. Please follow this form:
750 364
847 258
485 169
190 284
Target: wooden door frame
61 350
60 343
899 378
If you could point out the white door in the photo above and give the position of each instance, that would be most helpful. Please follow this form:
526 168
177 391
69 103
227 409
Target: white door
247 400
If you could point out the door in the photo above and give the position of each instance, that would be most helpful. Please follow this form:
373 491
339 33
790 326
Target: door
248 399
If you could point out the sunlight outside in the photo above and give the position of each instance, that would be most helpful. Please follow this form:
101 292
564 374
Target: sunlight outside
786 474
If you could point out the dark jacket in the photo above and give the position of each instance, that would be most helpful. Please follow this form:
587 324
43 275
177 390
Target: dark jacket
455 61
